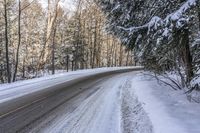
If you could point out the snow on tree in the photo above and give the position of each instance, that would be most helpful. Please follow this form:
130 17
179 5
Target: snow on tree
159 32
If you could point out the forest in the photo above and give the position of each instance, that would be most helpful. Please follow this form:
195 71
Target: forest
164 36
39 37
44 37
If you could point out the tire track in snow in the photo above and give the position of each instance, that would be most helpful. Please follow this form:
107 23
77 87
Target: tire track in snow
100 113
109 106
134 118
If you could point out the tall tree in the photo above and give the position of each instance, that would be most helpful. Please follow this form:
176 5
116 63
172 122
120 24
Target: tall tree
19 40
53 8
7 41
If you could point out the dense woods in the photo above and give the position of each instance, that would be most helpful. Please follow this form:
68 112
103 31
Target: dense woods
164 35
39 37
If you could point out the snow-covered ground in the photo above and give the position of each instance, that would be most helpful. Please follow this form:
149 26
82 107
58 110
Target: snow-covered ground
127 103
169 110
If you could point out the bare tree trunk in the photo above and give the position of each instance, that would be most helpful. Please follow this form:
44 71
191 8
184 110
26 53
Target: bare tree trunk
95 44
23 69
53 52
19 41
67 63
6 42
120 56
112 52
127 58
108 51
198 11
72 65
116 55
187 55
98 57
52 16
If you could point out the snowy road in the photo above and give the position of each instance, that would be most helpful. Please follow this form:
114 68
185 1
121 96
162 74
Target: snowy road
94 110
117 102
92 105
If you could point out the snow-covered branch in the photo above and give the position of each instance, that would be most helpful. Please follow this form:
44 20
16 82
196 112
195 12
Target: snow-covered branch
156 21
133 29
181 11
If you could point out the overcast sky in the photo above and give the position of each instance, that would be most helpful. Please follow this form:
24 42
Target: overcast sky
67 5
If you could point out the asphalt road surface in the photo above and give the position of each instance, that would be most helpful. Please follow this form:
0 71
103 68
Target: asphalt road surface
40 114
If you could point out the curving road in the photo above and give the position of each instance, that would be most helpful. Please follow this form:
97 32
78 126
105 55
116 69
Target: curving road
86 105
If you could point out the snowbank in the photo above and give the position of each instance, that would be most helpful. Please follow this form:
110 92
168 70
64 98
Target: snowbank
169 110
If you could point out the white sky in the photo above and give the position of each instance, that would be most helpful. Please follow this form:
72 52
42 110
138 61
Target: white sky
67 5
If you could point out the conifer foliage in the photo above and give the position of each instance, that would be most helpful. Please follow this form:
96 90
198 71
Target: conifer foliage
164 34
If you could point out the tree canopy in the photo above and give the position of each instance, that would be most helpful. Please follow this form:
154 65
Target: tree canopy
163 34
